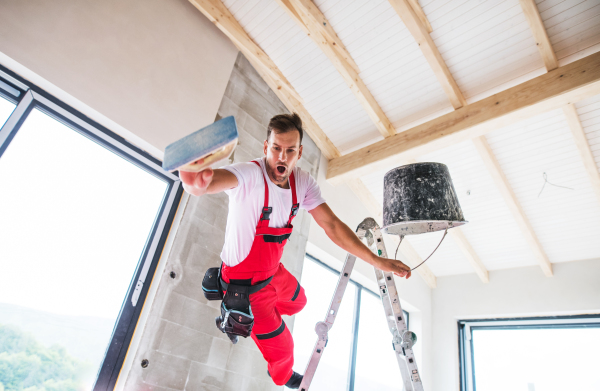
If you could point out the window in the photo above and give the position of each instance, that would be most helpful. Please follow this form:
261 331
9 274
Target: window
359 333
83 219
375 341
6 109
530 354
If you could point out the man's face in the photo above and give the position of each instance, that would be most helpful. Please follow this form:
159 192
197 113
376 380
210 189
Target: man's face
283 150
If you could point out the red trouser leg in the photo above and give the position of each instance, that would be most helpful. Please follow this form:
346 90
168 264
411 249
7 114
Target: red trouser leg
283 296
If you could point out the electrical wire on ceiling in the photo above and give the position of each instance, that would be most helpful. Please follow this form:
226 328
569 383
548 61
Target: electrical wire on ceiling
552 184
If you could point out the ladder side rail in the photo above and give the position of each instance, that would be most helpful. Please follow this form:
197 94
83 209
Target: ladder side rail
400 324
389 316
322 328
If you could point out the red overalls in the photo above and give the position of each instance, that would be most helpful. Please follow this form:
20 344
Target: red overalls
283 296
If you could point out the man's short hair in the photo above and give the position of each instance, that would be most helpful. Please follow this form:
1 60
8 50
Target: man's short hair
283 123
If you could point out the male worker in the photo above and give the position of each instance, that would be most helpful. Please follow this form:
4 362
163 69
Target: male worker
264 197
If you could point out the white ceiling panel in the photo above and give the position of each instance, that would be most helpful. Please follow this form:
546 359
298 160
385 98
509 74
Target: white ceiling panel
565 219
484 43
391 63
326 95
572 26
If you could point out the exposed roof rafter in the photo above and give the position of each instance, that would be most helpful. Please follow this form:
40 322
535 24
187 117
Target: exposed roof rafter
321 25
567 84
532 14
420 32
421 15
584 147
513 204
310 18
465 247
217 13
310 125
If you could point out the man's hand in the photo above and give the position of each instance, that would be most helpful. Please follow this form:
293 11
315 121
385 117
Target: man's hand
207 181
344 237
392 265
196 183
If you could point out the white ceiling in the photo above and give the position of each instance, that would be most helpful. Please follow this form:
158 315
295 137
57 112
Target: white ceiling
488 47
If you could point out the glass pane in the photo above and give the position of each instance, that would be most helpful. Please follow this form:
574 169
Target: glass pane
319 284
74 218
6 109
537 359
376 363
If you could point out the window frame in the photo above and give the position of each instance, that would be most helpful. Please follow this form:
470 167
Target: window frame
466 357
28 97
356 317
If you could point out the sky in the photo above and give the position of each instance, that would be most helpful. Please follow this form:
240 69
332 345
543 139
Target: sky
537 360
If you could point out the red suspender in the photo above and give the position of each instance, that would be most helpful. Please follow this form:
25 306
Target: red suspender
266 211
295 204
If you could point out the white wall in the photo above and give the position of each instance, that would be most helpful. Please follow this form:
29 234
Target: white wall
574 289
155 68
414 293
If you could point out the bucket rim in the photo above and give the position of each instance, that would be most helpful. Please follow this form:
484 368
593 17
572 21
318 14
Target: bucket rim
425 226
413 164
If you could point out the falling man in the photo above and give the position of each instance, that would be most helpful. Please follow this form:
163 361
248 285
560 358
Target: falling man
264 197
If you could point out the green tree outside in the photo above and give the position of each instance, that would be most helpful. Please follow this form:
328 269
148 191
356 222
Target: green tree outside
27 365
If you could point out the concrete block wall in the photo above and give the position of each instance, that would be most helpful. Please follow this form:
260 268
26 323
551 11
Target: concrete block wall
180 340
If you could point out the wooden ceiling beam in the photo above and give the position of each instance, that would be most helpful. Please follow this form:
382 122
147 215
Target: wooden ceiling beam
583 147
567 84
322 25
532 14
310 125
463 244
220 16
407 251
310 19
513 204
421 15
217 13
406 10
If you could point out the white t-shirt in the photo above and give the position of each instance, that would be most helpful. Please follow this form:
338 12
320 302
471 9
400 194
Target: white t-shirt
247 200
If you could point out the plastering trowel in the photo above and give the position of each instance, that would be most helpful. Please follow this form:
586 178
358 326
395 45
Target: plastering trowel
202 148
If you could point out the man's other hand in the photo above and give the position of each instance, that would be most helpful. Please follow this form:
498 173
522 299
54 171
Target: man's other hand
196 183
394 266
207 181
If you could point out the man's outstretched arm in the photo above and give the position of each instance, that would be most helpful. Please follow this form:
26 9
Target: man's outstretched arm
344 237
208 181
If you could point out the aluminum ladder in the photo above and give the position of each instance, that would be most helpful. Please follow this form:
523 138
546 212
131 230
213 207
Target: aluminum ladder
402 339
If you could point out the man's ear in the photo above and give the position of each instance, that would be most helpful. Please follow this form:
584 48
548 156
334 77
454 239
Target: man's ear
265 147
300 152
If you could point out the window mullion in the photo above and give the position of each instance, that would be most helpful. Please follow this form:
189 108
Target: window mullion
14 121
353 350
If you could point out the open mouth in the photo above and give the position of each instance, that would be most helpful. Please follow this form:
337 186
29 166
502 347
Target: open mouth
281 169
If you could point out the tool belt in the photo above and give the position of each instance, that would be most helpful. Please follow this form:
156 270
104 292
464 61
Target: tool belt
236 314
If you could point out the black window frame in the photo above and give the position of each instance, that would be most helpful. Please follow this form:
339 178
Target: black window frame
466 355
28 96
356 317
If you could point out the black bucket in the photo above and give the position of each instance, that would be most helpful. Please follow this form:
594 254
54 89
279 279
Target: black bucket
419 198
